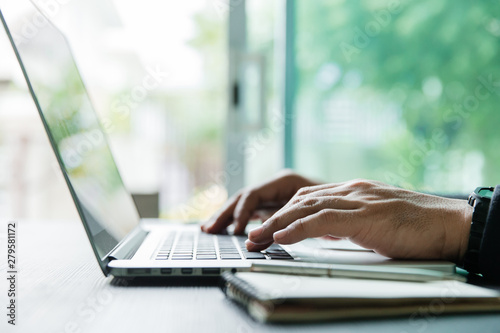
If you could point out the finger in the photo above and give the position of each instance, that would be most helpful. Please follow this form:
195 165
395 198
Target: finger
265 214
244 210
264 196
316 190
327 190
320 187
223 218
254 247
300 209
332 222
313 191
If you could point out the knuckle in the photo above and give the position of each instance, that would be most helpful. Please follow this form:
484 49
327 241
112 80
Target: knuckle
360 183
365 211
304 190
274 220
335 199
309 202
301 191
300 226
327 215
296 200
242 203
246 197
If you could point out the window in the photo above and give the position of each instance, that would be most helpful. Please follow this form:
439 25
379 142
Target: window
405 92
156 73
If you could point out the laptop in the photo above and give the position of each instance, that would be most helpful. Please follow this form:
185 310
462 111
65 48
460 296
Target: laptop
124 244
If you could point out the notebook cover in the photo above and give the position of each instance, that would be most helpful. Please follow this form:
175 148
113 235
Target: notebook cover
280 297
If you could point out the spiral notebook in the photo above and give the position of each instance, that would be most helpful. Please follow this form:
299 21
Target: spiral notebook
290 298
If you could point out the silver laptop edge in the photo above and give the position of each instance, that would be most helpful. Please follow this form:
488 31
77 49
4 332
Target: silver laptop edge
138 233
128 255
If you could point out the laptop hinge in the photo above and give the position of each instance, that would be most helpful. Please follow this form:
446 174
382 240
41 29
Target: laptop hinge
129 245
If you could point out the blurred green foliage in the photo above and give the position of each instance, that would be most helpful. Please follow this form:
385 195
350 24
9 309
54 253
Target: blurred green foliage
426 62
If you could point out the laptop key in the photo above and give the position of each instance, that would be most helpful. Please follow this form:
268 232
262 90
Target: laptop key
254 255
206 257
182 258
162 256
230 256
285 256
275 252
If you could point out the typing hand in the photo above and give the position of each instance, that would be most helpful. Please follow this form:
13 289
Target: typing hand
252 202
393 222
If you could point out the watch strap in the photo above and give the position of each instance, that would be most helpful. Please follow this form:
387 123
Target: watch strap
479 216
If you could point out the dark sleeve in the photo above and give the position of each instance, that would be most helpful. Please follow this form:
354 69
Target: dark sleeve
489 252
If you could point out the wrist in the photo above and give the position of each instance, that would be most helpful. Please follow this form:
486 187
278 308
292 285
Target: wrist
457 218
465 226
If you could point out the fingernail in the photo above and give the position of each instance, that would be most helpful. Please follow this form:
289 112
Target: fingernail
280 234
256 232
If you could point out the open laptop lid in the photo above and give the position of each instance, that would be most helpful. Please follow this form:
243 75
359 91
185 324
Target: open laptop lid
105 207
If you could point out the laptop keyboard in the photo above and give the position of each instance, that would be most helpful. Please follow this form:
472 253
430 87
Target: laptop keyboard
201 246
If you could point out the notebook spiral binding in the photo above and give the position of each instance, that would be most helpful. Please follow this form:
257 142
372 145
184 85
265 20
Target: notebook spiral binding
238 289
246 296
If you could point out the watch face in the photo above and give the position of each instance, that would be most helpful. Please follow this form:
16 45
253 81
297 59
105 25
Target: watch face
485 193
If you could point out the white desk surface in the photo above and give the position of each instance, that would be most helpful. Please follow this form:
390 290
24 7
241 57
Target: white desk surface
61 289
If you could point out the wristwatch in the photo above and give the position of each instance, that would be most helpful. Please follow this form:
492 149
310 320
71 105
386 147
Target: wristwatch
480 199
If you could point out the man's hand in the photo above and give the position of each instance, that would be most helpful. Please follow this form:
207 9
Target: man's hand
394 222
248 202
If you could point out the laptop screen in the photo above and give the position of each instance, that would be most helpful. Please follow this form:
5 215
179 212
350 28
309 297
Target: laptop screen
105 206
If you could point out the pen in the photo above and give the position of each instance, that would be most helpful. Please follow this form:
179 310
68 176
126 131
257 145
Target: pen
354 271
